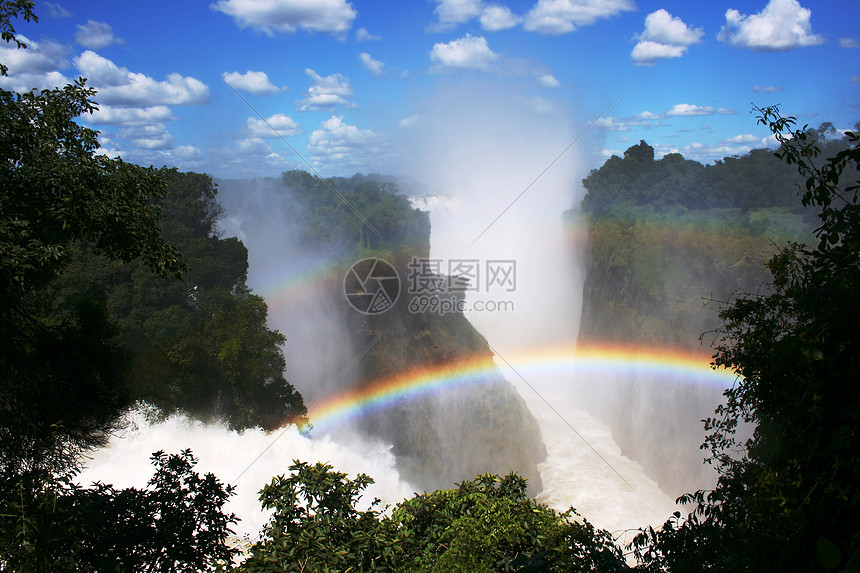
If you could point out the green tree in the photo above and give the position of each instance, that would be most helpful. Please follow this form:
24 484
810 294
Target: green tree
199 345
176 523
788 498
490 524
62 375
316 527
487 524
63 368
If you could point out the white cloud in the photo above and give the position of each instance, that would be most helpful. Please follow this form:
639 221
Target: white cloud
781 25
39 57
494 18
362 35
408 122
548 81
610 123
284 125
56 11
453 12
326 92
664 37
375 67
251 157
257 83
118 86
36 67
563 16
185 157
468 52
647 53
152 136
107 115
337 146
849 43
686 109
767 89
96 35
270 16
744 138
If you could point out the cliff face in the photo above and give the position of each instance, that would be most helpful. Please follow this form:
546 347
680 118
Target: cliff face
670 242
440 438
459 431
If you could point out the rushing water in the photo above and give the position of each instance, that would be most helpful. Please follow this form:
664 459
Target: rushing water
484 176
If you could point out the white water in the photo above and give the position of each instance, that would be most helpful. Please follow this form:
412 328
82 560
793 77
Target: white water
231 457
509 171
483 173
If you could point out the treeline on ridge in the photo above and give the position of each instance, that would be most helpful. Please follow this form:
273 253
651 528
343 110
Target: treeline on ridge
199 345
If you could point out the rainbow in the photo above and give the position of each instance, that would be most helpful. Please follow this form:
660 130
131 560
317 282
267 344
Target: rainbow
595 361
293 281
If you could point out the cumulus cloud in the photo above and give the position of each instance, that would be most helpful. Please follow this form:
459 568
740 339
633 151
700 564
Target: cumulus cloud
375 67
362 35
108 115
273 126
118 86
664 37
255 82
326 92
339 146
452 12
96 35
271 16
767 89
36 67
250 157
185 157
563 16
151 136
548 81
45 56
781 25
493 17
849 43
468 52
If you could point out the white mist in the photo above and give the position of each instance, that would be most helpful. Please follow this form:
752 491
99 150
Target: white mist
511 172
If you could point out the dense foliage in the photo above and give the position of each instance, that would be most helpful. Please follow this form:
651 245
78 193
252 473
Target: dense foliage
487 524
201 344
71 222
347 216
176 523
787 498
667 234
62 373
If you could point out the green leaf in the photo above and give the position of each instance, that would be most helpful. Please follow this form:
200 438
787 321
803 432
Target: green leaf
827 554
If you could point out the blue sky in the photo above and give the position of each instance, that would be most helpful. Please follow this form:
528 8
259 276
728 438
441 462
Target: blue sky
347 83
